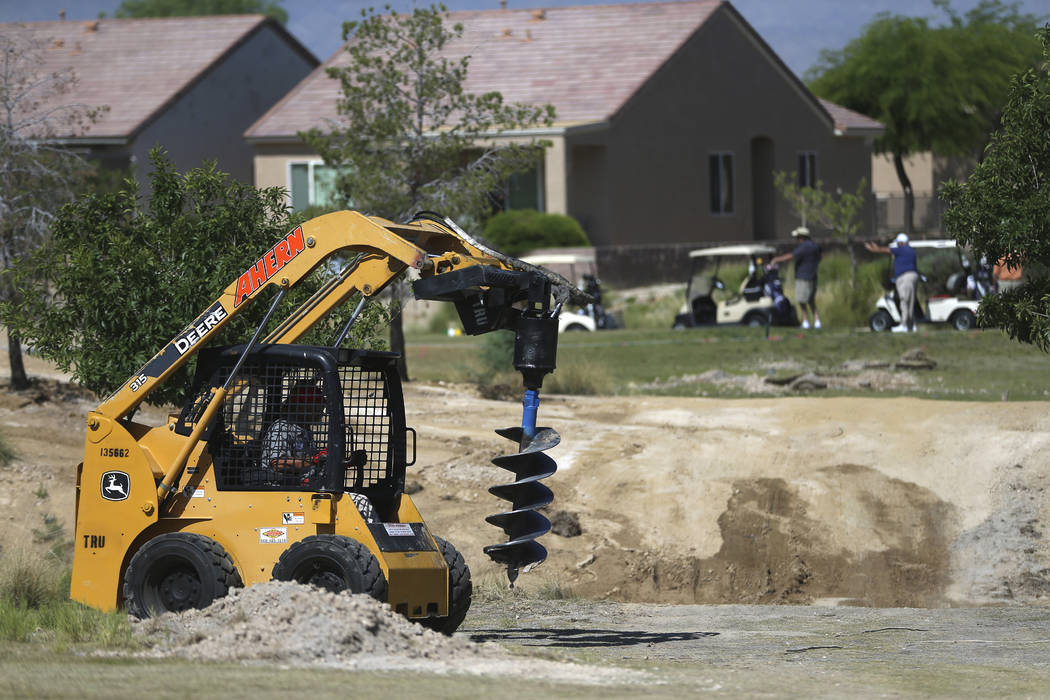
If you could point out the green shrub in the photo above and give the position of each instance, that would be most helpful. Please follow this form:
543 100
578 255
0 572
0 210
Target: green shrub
516 231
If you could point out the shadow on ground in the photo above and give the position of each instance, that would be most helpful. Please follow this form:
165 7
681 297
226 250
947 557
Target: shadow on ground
582 638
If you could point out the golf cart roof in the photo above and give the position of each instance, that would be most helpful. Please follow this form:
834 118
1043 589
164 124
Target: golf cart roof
732 250
938 243
558 259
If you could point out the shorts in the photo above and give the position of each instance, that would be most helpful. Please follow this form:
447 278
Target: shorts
805 291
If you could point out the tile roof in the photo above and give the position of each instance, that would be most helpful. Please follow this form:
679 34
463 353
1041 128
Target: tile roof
136 66
847 121
585 60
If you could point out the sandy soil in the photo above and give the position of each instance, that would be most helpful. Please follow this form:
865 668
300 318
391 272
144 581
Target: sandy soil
884 502
876 502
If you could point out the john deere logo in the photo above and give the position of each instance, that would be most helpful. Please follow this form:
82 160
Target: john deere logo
115 486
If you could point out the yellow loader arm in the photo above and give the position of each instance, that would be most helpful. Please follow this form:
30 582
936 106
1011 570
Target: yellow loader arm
381 252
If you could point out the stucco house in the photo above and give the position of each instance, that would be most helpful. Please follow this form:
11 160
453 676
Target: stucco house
671 119
189 84
926 171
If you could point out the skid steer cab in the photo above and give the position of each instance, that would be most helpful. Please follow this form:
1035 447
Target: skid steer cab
288 461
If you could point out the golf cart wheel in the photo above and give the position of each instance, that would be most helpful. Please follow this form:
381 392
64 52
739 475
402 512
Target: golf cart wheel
334 563
575 327
177 571
880 321
963 320
754 319
460 590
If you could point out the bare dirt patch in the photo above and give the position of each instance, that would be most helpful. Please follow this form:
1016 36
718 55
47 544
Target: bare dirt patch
884 502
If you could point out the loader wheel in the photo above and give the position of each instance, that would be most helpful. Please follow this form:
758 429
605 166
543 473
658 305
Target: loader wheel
460 591
177 571
332 562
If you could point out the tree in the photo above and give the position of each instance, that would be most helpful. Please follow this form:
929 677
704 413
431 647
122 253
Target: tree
838 211
1003 209
36 175
118 280
935 88
410 138
194 8
803 201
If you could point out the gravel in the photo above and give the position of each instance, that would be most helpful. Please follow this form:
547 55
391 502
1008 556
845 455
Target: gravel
295 624
292 625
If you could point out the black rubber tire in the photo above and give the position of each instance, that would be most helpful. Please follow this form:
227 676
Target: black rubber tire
880 321
333 562
755 319
461 590
177 571
963 320
575 328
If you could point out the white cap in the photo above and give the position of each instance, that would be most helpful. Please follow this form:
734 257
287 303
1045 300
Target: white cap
902 238
800 231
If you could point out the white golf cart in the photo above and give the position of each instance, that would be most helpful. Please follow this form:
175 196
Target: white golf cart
953 301
760 300
582 270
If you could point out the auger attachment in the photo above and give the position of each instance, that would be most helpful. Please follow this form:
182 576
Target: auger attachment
489 299
535 348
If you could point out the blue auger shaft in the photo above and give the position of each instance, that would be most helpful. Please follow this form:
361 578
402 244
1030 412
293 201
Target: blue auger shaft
530 404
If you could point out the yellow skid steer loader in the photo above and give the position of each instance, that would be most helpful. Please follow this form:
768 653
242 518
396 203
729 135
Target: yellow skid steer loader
288 461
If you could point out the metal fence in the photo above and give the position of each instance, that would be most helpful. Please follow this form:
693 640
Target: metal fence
889 214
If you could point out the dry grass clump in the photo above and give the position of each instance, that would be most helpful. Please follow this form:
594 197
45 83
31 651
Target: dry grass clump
580 378
35 606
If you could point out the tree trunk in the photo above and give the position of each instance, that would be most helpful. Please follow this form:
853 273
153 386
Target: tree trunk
909 195
852 264
19 380
397 343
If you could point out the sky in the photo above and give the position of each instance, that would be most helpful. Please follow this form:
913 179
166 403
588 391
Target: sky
797 30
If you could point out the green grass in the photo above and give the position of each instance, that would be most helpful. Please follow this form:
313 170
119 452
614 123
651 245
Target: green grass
35 608
980 365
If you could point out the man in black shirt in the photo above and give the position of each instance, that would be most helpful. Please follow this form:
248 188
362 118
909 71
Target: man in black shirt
807 258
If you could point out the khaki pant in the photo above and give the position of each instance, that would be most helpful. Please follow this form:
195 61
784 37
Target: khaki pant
906 285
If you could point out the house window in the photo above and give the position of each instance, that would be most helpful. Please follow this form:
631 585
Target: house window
807 169
312 183
525 190
721 175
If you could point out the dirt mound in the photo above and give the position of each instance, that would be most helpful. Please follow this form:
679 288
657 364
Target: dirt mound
1005 557
295 624
777 546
